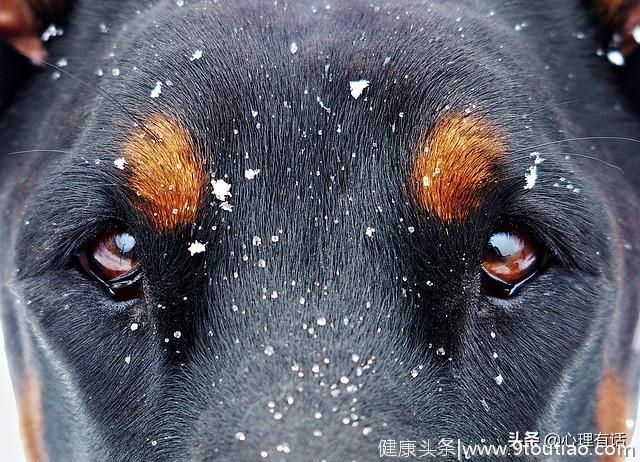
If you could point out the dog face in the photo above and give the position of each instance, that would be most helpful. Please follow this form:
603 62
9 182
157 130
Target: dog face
278 233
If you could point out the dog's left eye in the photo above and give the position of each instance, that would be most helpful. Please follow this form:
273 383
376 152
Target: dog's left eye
111 259
511 258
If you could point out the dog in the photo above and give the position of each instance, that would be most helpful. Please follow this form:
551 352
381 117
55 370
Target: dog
307 231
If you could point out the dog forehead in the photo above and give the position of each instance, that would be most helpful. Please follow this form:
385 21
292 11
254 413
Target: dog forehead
282 100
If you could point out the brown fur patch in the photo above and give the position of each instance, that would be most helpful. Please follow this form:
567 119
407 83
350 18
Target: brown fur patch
611 407
19 28
608 10
30 414
456 162
167 173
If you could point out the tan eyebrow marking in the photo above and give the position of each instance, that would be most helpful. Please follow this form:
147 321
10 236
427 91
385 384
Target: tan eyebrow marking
611 407
167 173
31 421
456 161
608 9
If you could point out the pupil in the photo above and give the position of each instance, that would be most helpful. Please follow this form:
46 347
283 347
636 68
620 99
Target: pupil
125 242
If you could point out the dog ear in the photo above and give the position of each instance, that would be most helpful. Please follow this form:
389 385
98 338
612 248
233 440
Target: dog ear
621 21
21 21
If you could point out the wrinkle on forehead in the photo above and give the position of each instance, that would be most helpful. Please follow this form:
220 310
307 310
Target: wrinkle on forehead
456 161
167 174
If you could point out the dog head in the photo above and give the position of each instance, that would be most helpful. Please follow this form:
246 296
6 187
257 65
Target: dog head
284 232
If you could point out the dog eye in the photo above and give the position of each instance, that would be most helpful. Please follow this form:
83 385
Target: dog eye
111 259
511 258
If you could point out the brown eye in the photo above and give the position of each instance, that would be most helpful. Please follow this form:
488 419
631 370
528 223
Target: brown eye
511 257
111 259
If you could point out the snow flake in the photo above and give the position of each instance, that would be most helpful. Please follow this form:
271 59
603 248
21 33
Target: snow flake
250 173
240 436
532 175
196 247
499 379
120 162
51 31
196 55
221 189
357 87
615 57
369 231
293 48
157 90
256 241
226 206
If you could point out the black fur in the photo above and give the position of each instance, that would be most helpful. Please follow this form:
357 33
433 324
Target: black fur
326 175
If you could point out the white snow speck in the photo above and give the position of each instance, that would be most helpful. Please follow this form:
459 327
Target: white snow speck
250 173
226 206
157 90
499 379
532 175
51 31
322 105
293 48
196 55
254 114
369 231
196 247
177 334
134 326
127 359
240 436
221 189
120 162
256 241
357 87
615 57
269 350
636 34
440 351
321 321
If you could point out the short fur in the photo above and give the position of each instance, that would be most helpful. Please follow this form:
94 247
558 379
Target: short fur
331 166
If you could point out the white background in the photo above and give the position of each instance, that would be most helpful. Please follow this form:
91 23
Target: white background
10 445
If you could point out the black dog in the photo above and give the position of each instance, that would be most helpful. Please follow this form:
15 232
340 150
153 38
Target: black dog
245 230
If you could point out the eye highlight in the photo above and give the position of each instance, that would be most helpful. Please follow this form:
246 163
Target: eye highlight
111 259
511 257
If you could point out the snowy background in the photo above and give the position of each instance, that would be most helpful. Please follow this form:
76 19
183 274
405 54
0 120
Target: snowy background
10 445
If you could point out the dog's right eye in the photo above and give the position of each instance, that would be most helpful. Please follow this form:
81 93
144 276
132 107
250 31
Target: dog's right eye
111 259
